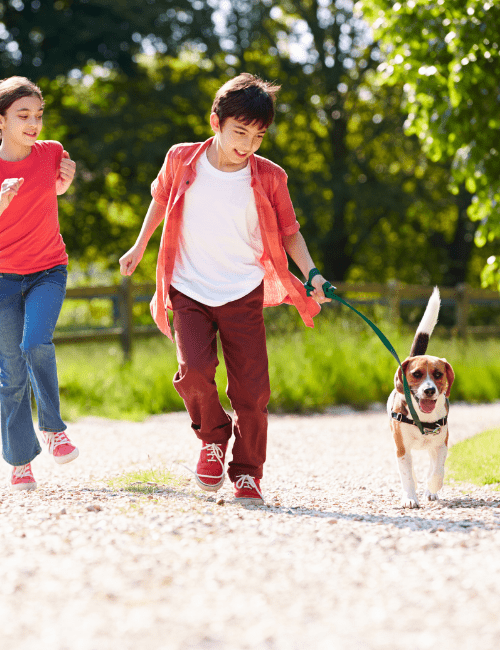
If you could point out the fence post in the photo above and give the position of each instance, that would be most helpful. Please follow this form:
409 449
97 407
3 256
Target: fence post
126 317
393 288
462 309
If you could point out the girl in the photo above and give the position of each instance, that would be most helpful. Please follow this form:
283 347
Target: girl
33 277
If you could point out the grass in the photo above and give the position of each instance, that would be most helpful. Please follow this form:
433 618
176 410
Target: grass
147 481
340 361
476 460
94 381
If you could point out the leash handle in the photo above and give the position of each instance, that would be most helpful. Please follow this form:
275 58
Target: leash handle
328 288
329 291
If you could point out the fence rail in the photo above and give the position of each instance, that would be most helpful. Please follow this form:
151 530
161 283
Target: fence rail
393 295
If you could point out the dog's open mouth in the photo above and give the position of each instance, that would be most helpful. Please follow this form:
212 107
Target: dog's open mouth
427 405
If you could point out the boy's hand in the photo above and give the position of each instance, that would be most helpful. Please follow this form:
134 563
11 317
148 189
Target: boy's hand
67 170
130 260
8 191
318 294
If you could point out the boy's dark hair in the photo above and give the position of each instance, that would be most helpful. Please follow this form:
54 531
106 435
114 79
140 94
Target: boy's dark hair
14 88
246 98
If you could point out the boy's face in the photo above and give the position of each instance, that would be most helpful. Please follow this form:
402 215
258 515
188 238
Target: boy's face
22 122
237 140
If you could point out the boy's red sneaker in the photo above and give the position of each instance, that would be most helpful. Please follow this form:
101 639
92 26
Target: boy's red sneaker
247 491
60 446
210 473
22 478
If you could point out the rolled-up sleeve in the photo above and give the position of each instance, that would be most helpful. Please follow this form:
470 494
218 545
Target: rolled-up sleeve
162 185
285 214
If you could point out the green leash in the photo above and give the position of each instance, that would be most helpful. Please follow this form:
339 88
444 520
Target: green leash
329 291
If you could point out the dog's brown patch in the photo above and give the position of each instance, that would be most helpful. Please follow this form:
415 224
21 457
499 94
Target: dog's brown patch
398 439
399 404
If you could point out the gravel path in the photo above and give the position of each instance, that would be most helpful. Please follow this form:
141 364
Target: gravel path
331 563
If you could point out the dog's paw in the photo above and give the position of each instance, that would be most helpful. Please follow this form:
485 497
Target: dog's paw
434 484
430 496
408 502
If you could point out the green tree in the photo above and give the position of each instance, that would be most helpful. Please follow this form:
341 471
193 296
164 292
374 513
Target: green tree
406 208
46 38
447 55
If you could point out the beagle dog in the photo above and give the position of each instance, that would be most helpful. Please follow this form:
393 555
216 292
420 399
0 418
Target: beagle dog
430 380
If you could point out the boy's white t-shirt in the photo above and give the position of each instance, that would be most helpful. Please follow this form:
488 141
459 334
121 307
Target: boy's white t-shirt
220 243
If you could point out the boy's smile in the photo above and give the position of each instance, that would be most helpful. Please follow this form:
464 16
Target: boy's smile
234 143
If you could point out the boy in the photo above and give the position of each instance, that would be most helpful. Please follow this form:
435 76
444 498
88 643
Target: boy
229 221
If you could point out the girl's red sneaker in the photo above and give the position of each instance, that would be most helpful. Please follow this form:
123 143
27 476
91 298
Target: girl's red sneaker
22 478
60 446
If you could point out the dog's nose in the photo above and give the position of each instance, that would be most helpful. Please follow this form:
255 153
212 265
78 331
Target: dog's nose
429 391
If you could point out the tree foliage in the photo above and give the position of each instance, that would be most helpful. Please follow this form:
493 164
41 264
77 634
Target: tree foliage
126 79
51 37
447 55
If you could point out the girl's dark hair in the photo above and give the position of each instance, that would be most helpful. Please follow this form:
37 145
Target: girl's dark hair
12 89
246 98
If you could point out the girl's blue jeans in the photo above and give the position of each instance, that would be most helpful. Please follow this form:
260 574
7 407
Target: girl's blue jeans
29 309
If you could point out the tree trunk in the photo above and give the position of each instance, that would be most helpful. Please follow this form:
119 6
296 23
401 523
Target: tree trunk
461 247
335 244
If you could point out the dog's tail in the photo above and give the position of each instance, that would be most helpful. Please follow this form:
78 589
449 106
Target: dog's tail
427 324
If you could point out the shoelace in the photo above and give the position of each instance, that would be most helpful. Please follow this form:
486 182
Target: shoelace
21 471
214 453
55 440
246 481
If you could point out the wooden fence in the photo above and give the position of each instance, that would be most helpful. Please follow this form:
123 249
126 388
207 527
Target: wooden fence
393 295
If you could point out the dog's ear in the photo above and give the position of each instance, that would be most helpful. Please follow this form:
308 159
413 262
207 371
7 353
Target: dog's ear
398 377
450 375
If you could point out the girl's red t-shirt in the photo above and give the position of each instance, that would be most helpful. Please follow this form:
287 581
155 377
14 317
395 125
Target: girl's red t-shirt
30 239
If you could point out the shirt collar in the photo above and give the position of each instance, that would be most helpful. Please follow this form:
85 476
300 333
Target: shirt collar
200 148
203 146
256 182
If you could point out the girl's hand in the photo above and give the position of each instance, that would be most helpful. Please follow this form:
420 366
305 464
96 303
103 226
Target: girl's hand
8 191
130 260
318 294
67 170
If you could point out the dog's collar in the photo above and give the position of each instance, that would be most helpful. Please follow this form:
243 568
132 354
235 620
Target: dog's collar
430 428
